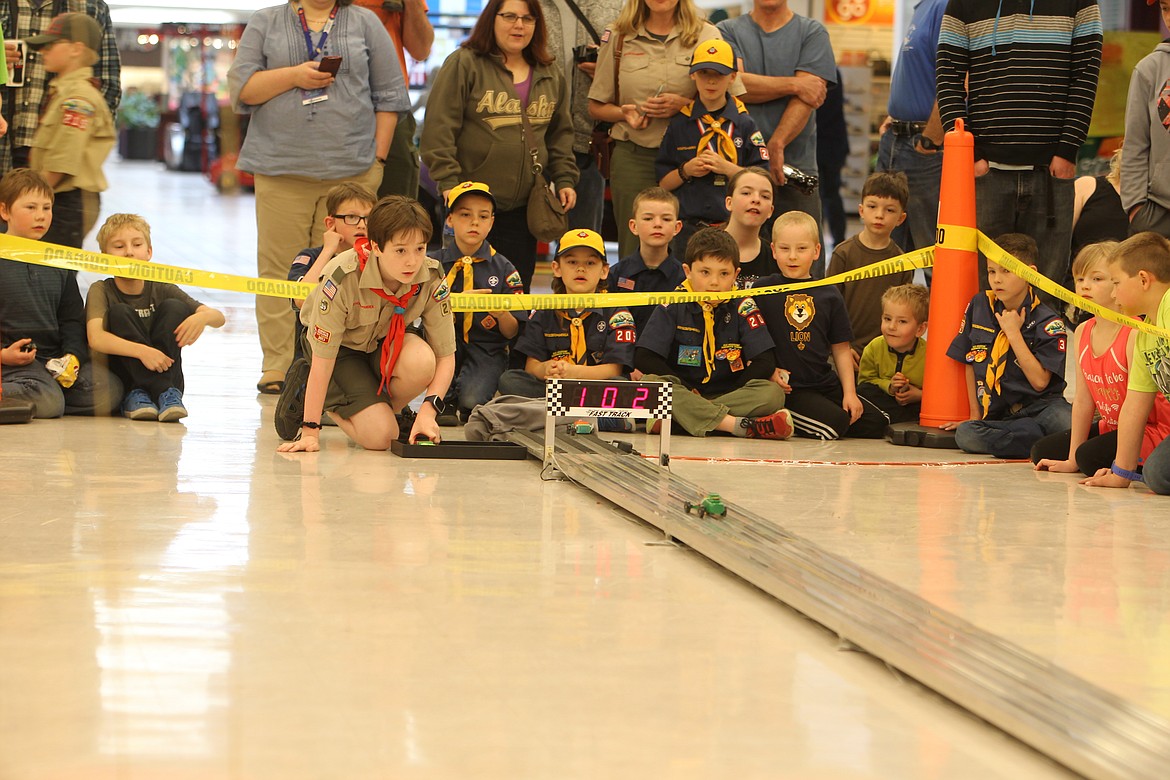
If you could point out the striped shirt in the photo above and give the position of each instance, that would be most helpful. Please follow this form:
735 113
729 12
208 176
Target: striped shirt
1032 68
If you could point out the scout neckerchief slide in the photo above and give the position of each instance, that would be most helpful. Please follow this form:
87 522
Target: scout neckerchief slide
464 264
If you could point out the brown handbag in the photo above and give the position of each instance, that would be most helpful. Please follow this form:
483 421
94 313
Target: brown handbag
547 219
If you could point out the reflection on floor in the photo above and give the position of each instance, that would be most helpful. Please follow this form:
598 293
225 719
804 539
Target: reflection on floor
180 601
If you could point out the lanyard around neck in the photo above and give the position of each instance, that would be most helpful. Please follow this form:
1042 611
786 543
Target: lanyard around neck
315 50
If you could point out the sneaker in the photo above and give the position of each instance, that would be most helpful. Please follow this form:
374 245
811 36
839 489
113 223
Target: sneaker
171 406
653 427
290 407
448 420
138 406
774 426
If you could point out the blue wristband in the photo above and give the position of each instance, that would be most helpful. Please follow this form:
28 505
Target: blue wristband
1132 476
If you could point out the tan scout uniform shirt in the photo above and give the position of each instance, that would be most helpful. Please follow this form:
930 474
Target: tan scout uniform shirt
648 63
344 310
76 133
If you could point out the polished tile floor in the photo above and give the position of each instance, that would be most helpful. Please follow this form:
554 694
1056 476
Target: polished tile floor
181 601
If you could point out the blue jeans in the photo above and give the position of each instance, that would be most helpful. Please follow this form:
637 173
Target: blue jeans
1156 469
1034 203
1013 438
96 392
924 173
479 374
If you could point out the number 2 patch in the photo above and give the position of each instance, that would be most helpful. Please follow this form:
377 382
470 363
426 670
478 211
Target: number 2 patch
625 336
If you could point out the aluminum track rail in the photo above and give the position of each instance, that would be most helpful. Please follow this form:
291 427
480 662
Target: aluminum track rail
1089 730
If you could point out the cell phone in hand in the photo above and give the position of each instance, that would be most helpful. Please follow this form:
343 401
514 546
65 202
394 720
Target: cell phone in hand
329 65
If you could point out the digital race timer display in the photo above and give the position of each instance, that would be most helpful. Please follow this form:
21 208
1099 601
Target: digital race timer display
608 398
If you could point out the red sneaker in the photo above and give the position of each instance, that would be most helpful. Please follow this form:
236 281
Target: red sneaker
774 426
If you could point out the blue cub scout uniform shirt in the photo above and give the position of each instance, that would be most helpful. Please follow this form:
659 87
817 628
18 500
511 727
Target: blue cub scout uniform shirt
1043 331
805 325
704 197
494 272
675 333
609 336
630 274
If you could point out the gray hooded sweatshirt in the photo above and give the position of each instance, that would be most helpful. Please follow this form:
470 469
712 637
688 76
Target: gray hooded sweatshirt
1145 159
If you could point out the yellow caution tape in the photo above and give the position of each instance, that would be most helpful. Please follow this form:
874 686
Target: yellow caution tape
39 253
997 255
921 258
957 237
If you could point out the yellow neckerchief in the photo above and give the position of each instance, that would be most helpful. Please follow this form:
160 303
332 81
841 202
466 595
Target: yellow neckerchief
576 334
725 146
708 332
465 264
997 362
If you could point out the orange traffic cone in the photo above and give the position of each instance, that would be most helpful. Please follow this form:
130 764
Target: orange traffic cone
954 284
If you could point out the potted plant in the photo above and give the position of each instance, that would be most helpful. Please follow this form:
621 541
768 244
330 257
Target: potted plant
138 118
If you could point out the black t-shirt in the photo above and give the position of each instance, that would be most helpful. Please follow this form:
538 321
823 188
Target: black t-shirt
805 325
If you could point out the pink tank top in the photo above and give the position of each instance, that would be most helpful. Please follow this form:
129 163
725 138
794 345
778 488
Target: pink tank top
1107 375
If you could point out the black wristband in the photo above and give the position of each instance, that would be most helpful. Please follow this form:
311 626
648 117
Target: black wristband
313 426
683 174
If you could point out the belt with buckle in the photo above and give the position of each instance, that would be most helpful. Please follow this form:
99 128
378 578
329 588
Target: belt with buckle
907 128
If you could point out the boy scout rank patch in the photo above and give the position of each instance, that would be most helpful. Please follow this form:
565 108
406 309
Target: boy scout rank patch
320 334
621 319
77 113
689 356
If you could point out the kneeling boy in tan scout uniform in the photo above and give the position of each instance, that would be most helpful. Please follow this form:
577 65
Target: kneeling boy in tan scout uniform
76 131
365 366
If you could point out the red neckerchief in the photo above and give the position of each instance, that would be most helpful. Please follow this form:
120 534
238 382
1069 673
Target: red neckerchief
392 343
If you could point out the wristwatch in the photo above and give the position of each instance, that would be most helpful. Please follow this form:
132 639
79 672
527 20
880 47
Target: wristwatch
436 402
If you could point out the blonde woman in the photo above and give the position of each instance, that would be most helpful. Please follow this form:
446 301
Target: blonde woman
657 38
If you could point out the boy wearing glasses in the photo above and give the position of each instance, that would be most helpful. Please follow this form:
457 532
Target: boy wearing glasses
471 265
346 208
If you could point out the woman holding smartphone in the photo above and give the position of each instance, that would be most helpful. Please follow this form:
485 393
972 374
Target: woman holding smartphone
657 40
322 84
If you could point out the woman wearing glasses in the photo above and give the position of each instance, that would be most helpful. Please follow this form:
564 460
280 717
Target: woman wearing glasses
473 129
322 84
656 39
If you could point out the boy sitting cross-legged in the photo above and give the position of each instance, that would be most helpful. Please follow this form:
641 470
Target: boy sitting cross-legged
717 354
1014 349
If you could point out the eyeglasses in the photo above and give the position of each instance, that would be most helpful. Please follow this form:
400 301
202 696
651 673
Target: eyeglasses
510 19
352 219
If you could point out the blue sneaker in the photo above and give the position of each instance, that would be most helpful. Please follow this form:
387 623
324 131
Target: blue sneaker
171 407
137 406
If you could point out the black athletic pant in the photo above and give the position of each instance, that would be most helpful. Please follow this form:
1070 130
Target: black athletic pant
124 322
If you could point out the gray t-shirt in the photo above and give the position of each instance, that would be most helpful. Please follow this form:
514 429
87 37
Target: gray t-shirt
801 44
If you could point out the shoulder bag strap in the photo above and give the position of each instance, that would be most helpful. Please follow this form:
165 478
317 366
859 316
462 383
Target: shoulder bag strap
617 66
529 141
581 18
